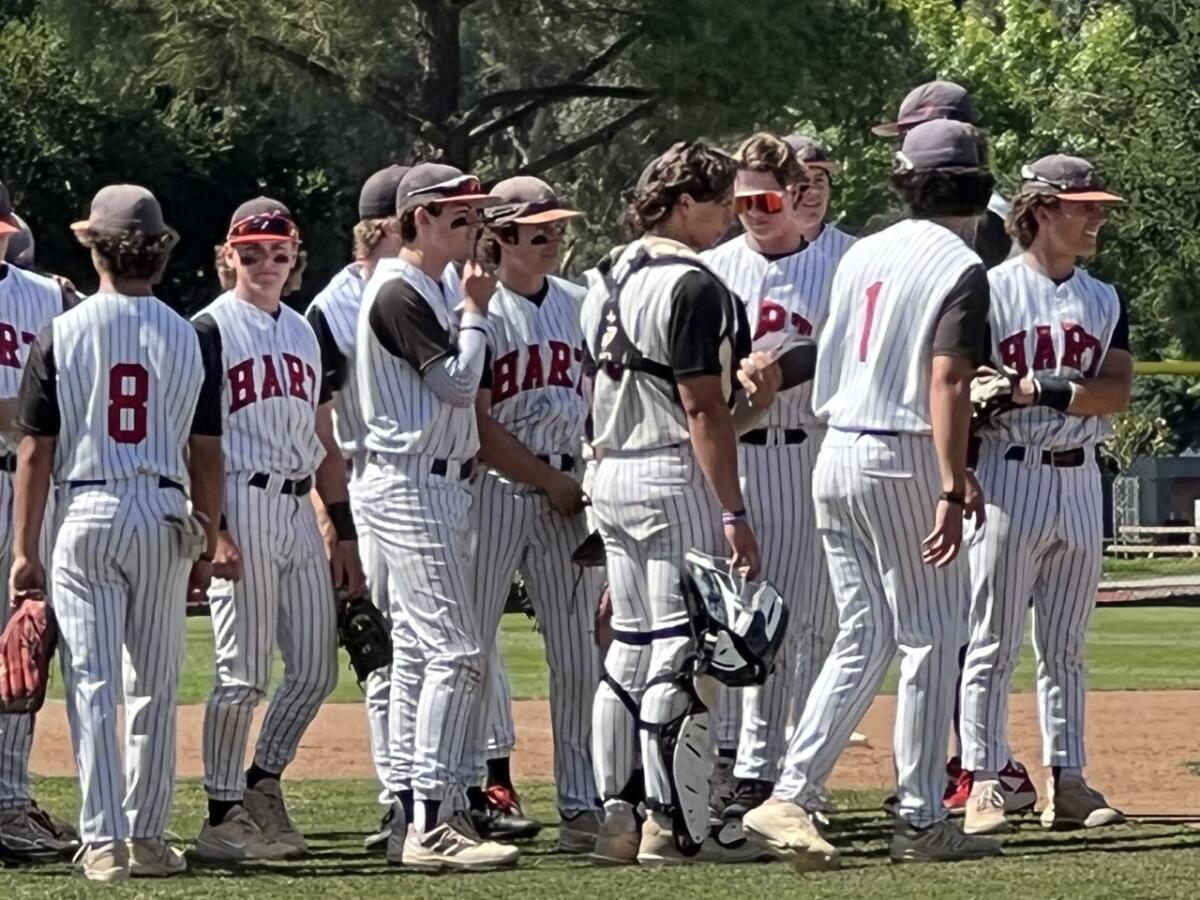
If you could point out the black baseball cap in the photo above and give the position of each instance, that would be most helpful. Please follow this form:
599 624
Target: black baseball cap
812 153
377 199
20 245
9 223
525 200
1067 178
929 101
261 220
438 183
119 208
940 144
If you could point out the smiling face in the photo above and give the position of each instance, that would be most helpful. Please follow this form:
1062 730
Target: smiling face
262 267
1072 227
767 227
814 205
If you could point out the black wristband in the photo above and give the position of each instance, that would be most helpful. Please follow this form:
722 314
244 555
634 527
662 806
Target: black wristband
1053 392
206 557
343 521
224 524
953 497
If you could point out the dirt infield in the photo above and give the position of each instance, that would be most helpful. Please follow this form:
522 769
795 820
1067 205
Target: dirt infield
1143 746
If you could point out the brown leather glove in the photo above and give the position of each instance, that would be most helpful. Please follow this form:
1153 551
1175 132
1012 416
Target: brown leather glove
26 647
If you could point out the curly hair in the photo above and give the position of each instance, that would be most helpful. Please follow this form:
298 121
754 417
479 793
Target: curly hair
129 254
944 192
370 233
764 152
1022 224
689 168
228 278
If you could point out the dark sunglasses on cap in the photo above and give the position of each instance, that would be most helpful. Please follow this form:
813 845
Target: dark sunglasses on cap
769 202
264 227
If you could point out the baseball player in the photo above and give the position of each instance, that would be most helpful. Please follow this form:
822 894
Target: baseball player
1066 335
821 167
121 400
527 512
667 337
895 359
278 441
784 281
418 367
27 304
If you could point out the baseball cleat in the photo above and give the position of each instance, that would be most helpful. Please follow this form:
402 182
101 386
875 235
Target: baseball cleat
748 794
105 863
264 803
452 847
1020 796
958 787
657 846
722 785
940 842
501 818
397 834
577 831
1076 804
617 842
64 831
789 831
154 859
28 834
985 810
377 840
236 839
728 842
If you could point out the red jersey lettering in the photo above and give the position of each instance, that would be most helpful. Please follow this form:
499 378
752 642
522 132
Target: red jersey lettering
295 373
9 346
1076 343
534 376
1012 352
560 365
504 377
270 385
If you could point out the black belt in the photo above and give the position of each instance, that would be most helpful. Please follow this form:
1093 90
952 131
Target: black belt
567 461
163 482
1061 459
8 463
442 467
298 488
759 436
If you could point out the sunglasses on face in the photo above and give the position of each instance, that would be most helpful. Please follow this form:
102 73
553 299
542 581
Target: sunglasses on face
769 202
272 224
250 258
1085 208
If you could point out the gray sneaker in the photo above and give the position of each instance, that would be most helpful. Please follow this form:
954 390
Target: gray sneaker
577 831
236 839
942 842
397 834
1076 804
154 859
265 804
26 835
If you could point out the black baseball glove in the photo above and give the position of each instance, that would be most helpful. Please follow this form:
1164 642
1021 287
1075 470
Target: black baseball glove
365 634
992 395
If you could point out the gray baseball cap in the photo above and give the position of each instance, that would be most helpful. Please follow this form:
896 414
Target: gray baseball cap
812 153
262 220
940 144
929 101
119 208
439 183
377 199
525 200
20 246
9 224
1067 178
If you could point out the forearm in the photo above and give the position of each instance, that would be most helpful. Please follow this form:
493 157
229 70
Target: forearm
455 379
8 418
501 451
206 468
950 416
715 445
35 457
1104 395
330 477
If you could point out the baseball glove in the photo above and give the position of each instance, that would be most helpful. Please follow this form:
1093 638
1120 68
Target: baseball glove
365 634
992 395
26 647
590 554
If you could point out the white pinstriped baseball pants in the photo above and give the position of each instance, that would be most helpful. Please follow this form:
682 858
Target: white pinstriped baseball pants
651 508
514 527
118 586
1043 540
419 523
285 597
875 499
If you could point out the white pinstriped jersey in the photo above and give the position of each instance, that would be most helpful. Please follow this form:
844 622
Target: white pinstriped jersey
1050 329
834 242
129 377
402 413
537 367
788 294
27 304
271 389
873 357
634 410
339 302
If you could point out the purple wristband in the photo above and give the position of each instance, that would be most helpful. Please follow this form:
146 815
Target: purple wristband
732 518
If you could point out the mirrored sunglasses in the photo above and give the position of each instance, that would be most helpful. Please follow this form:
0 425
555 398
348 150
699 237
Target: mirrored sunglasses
769 202
264 226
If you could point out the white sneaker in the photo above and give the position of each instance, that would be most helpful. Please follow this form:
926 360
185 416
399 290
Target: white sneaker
985 810
577 831
657 845
791 833
106 862
237 839
451 848
25 835
617 842
154 859
265 804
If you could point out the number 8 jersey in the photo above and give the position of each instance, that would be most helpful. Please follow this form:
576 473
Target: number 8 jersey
119 381
899 297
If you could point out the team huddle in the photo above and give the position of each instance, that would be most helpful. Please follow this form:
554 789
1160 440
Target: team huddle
859 448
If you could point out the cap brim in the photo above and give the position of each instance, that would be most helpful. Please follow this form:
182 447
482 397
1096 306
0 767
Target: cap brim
9 225
261 239
827 165
546 215
477 199
887 129
1091 196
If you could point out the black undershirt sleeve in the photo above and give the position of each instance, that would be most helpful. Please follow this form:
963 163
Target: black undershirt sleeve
485 380
697 325
1120 337
207 420
961 328
407 326
37 401
334 365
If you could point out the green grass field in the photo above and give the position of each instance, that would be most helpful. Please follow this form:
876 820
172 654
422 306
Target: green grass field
1130 647
1129 863
1163 567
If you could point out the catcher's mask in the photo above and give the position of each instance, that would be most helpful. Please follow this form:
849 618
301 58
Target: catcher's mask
739 624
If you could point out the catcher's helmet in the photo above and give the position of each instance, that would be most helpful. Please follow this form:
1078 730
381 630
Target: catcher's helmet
739 624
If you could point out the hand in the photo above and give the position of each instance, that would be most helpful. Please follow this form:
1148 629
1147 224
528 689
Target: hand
198 581
973 510
944 542
744 545
1024 393
346 569
478 287
227 561
565 494
760 378
26 579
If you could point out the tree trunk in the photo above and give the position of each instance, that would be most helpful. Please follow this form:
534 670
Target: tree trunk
440 58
